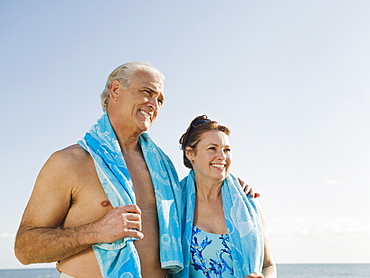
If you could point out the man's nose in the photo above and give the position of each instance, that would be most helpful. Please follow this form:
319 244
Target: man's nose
153 103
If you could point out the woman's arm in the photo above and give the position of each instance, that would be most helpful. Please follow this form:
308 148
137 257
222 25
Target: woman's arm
269 267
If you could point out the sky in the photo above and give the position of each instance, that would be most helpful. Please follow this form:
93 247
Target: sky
290 78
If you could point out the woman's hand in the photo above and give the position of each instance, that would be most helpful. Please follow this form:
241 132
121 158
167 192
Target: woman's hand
255 275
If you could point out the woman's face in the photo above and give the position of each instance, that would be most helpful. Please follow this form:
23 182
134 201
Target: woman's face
211 159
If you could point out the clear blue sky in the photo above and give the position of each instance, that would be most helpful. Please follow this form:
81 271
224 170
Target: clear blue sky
290 78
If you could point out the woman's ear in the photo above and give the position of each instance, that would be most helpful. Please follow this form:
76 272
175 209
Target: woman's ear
189 152
114 90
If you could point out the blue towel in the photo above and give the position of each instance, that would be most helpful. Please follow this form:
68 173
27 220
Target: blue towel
120 258
243 223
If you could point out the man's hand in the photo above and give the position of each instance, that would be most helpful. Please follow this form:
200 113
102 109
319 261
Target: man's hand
120 222
248 190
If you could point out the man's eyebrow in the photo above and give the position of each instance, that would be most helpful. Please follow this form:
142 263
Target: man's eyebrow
154 91
149 89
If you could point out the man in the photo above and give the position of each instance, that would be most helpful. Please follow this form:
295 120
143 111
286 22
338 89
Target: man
69 211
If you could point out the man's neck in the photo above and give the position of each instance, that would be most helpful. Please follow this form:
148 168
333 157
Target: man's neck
129 144
128 139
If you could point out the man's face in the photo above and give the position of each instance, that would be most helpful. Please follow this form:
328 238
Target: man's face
139 104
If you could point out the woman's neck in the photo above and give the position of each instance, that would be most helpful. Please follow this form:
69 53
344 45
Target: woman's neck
208 190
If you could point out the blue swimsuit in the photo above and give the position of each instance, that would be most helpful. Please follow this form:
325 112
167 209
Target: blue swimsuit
210 255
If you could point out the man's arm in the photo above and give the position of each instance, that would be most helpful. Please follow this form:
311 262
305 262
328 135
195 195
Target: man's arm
42 245
40 237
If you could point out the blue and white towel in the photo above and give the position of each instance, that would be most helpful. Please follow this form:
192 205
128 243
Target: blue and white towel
120 258
243 223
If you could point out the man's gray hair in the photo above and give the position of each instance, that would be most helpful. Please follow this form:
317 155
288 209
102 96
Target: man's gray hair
124 74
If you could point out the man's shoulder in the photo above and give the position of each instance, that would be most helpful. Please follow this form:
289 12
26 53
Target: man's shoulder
73 150
71 156
65 169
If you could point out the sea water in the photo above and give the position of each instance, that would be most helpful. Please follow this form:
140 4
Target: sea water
29 273
284 271
324 270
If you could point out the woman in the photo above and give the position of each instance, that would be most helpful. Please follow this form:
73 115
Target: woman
223 234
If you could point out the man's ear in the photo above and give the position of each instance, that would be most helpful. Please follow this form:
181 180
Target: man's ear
114 89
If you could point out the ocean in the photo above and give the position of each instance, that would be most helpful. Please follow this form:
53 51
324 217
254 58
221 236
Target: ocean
323 270
284 271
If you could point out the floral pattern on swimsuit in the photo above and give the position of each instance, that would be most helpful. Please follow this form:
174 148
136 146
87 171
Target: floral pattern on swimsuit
210 255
